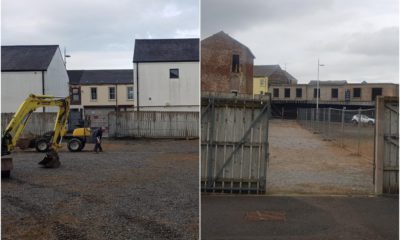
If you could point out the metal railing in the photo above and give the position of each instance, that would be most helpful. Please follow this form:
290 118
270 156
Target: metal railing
344 127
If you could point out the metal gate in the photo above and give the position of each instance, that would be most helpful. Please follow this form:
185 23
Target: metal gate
234 143
387 146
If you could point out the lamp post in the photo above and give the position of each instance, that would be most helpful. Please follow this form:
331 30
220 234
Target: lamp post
65 57
318 93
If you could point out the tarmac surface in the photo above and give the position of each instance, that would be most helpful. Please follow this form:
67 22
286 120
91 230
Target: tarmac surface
299 217
135 189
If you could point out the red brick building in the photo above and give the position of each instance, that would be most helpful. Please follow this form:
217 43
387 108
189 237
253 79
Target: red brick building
226 65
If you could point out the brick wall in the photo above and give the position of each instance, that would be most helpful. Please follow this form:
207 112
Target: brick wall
216 65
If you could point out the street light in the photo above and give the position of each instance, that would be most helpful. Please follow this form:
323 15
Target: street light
66 56
319 65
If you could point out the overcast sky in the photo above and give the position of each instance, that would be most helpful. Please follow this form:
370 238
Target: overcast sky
356 40
98 34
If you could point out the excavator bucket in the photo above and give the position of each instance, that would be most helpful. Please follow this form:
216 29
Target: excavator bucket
51 160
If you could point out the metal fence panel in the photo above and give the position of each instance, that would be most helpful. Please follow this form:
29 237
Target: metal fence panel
234 143
154 124
343 127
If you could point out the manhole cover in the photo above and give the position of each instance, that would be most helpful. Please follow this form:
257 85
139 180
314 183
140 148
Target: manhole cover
265 216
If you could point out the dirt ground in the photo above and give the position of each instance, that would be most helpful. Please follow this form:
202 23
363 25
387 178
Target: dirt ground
303 163
136 189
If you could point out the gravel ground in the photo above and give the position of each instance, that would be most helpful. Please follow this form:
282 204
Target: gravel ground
138 189
301 162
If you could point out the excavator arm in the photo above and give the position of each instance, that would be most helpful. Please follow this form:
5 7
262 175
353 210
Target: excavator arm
23 114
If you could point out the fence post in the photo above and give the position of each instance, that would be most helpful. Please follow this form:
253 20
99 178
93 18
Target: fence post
324 122
359 131
329 123
343 126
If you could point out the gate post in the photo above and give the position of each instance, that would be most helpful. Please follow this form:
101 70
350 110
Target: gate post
359 132
344 108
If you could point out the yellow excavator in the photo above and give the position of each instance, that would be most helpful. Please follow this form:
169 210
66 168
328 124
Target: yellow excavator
18 122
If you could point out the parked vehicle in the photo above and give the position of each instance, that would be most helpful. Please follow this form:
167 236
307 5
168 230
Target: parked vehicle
364 119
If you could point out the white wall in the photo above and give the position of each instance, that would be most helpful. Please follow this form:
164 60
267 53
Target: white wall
56 77
157 89
16 87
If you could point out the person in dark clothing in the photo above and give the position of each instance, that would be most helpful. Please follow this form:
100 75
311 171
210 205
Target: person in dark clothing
98 135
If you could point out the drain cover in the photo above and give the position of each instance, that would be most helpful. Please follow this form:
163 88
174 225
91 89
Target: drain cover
265 216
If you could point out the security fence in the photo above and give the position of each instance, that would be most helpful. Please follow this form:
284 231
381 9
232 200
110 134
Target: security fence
350 129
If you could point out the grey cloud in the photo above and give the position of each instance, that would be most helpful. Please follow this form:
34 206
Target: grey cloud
234 16
100 26
382 42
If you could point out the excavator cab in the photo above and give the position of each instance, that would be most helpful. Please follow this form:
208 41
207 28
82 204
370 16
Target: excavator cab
19 121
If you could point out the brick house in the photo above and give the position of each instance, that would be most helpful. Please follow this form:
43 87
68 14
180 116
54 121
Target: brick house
226 65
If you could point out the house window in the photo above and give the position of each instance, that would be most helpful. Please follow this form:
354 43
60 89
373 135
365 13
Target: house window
262 82
235 63
334 93
75 95
287 92
315 93
93 94
129 93
174 73
356 92
276 92
111 93
299 92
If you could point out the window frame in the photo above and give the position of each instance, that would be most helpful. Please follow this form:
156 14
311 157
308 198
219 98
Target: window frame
127 93
359 94
91 93
173 75
235 63
317 93
299 90
337 93
286 90
109 93
275 92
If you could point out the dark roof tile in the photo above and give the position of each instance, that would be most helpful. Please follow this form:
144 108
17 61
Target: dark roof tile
166 50
27 58
265 70
98 77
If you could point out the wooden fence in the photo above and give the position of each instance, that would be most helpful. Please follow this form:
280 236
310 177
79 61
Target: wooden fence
153 124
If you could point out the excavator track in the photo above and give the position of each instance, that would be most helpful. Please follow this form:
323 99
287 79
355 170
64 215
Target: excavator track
51 160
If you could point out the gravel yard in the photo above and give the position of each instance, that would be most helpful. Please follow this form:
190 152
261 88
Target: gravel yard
301 162
137 189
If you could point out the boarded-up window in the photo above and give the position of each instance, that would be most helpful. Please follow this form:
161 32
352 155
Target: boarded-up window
235 63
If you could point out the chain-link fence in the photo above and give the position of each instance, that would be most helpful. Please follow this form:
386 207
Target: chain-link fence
351 129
